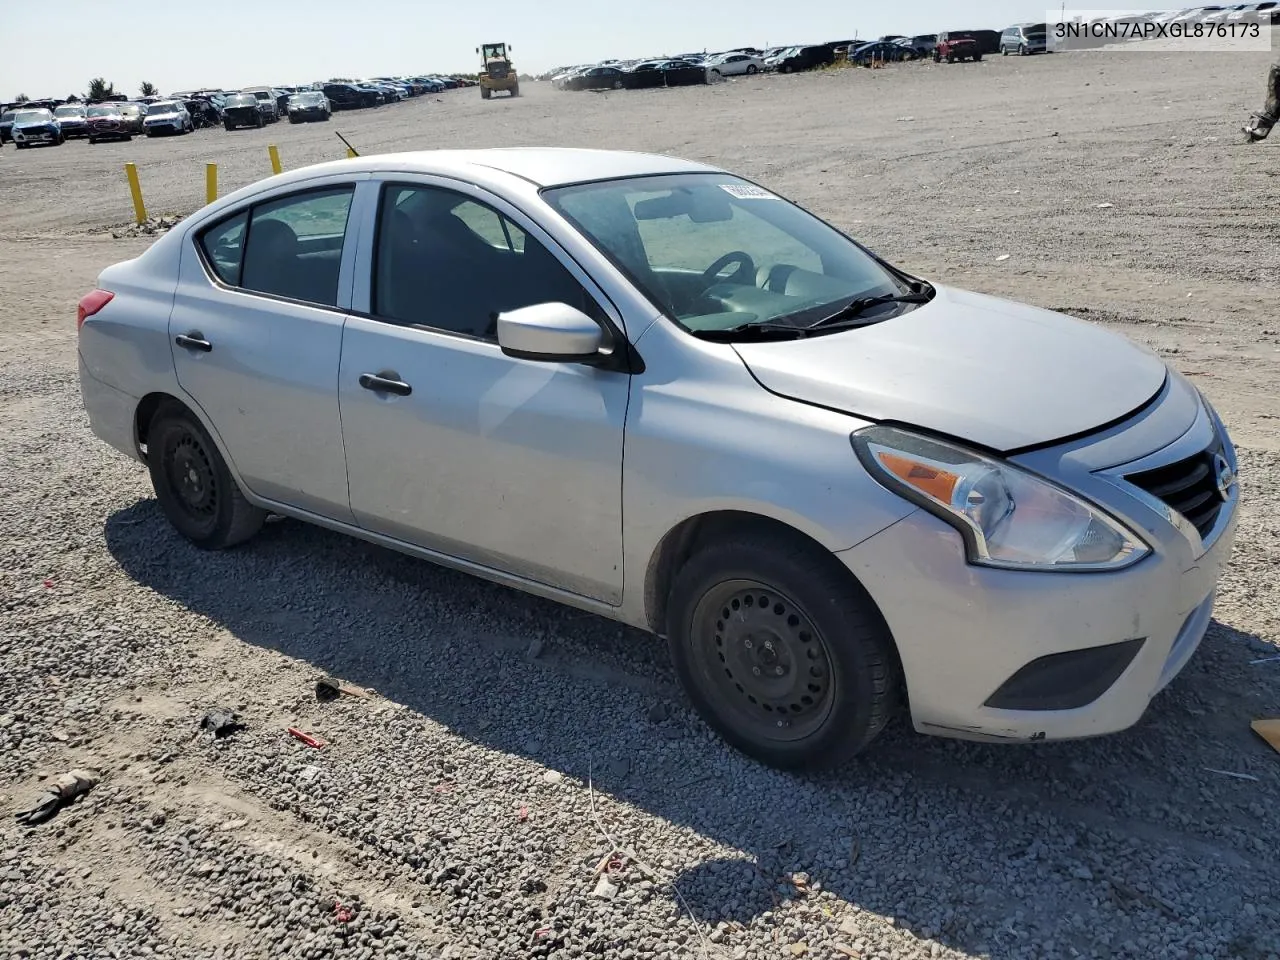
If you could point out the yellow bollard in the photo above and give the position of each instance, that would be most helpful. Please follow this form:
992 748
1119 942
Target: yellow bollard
350 153
275 158
135 188
210 182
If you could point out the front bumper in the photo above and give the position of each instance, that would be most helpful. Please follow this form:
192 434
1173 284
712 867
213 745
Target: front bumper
965 632
168 126
35 136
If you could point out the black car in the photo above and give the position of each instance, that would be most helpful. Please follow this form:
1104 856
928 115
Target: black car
71 117
346 96
243 110
664 73
597 78
6 125
308 105
804 58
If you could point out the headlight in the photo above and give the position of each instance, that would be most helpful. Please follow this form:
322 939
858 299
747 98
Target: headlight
1008 517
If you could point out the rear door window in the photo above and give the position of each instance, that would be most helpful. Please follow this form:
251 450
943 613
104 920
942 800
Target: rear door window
290 247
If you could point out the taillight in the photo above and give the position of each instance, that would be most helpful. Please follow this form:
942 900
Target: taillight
91 303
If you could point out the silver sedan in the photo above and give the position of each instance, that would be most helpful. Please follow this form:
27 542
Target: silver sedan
660 392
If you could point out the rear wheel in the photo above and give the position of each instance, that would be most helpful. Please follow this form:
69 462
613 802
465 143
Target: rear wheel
229 126
977 57
193 485
781 652
515 91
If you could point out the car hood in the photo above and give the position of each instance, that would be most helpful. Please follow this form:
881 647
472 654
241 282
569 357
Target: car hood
995 373
24 124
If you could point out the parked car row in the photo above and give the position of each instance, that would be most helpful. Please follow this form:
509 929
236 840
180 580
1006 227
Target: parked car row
950 46
53 122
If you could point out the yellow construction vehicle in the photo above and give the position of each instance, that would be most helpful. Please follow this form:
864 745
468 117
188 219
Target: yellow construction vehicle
497 73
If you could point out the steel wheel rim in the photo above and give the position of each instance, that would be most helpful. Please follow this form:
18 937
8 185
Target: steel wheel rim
762 661
191 478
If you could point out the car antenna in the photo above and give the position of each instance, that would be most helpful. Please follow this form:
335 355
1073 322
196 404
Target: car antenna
353 150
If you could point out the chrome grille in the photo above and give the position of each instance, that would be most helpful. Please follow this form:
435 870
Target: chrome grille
1189 486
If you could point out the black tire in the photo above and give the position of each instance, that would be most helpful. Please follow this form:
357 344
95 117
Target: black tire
1004 51
93 142
977 58
229 126
751 68
1022 49
19 146
261 123
838 674
210 510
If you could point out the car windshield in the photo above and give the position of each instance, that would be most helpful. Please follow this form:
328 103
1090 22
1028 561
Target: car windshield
31 116
161 109
69 112
103 112
716 252
131 110
306 99
242 100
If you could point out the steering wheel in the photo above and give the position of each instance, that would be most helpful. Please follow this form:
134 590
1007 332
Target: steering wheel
746 266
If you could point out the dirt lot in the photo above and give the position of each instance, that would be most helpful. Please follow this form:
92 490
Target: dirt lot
462 811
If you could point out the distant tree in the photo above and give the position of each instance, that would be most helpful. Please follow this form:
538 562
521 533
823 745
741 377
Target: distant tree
72 98
148 89
99 89
21 98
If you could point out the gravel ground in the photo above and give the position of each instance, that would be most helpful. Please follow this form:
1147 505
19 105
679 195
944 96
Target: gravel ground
527 781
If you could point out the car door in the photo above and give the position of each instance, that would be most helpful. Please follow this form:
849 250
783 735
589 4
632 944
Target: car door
256 333
452 445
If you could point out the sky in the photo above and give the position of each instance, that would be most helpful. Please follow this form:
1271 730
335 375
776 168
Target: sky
234 43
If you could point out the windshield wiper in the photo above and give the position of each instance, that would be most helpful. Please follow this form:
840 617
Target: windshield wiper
847 316
855 308
754 329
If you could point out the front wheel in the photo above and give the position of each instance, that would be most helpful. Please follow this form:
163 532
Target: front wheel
781 651
977 58
1022 50
1004 51
193 485
751 68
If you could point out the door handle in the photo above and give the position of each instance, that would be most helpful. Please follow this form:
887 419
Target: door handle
385 384
193 341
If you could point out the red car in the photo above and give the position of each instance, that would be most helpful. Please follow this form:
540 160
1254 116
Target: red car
957 45
106 122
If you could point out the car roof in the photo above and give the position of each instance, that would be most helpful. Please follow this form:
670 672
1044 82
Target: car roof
541 166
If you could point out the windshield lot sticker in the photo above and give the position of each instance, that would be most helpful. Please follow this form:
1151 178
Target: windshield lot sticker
743 191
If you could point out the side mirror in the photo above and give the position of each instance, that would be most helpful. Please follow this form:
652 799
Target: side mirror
550 332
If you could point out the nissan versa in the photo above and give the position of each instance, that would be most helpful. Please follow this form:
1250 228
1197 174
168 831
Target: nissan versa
657 391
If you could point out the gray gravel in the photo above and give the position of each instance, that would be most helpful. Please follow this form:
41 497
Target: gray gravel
527 781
